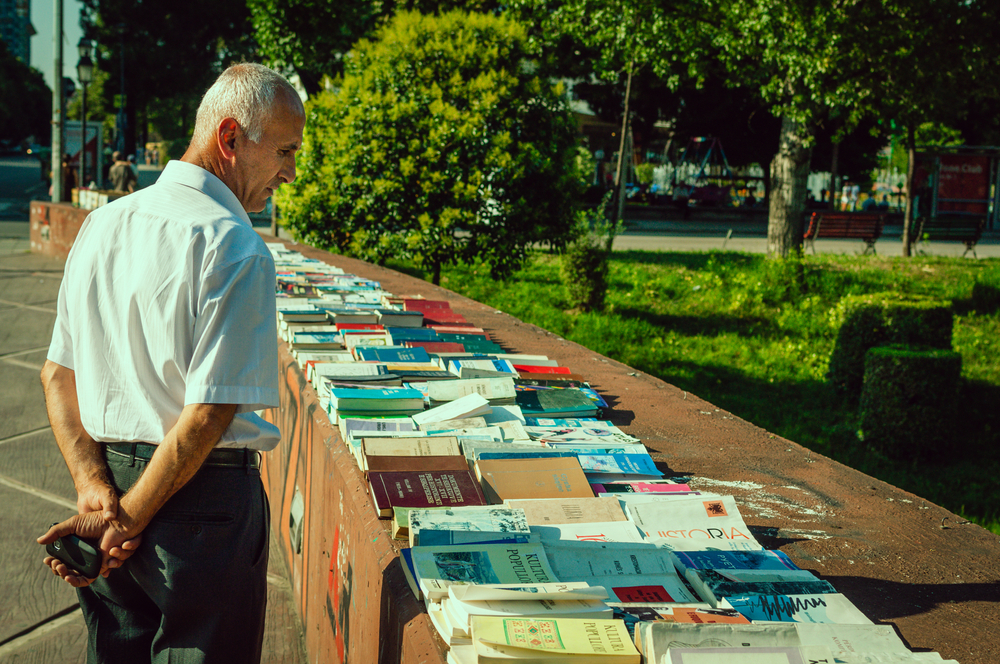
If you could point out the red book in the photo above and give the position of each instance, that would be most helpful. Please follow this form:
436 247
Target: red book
425 305
531 368
358 326
436 346
429 488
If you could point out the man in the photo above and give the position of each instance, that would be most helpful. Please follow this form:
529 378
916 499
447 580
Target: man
164 345
121 174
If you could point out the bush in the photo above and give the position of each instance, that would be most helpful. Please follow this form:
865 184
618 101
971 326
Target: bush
985 297
908 401
441 145
584 271
879 319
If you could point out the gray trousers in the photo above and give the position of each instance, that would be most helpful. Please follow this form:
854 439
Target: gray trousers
195 590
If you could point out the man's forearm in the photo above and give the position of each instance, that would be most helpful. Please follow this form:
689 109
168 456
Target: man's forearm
177 458
83 455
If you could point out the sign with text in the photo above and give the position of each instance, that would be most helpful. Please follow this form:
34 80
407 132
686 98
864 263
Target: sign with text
964 184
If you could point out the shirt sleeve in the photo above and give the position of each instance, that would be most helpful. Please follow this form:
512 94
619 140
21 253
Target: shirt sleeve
235 343
61 346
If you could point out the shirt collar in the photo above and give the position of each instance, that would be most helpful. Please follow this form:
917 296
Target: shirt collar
196 177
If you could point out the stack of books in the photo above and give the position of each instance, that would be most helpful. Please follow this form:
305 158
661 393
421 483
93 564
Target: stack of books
534 530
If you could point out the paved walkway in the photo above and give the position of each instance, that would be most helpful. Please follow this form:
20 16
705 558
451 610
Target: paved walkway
40 620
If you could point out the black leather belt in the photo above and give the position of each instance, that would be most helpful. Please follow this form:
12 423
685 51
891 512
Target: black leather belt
220 457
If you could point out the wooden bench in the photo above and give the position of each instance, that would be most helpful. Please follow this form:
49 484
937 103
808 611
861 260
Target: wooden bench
865 226
951 228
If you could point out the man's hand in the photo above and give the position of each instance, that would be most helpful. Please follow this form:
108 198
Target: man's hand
97 496
116 545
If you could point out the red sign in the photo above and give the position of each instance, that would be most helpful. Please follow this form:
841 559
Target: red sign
964 184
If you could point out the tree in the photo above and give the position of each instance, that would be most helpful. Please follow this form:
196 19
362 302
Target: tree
440 145
311 37
173 51
25 100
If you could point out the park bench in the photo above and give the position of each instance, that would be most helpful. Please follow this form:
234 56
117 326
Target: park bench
951 228
865 226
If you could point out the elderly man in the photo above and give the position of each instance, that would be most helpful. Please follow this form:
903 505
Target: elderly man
163 348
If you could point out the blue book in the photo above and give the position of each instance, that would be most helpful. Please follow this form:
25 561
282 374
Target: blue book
559 422
723 560
446 537
384 354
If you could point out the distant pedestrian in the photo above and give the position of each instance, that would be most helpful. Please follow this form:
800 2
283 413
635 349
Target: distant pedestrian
121 174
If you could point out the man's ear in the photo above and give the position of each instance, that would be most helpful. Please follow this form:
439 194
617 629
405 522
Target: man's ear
229 130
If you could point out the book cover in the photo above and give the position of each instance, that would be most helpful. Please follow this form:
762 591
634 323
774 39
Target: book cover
565 422
385 463
533 478
429 488
468 406
568 510
608 531
410 446
589 640
606 435
537 369
555 403
713 585
389 398
436 346
556 592
732 560
639 487
825 608
489 388
658 637
476 519
438 567
393 355
429 537
694 523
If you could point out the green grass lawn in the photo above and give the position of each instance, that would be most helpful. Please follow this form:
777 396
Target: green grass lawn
733 329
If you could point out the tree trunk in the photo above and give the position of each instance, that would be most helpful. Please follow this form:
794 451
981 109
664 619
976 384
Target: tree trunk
911 140
833 177
789 173
436 272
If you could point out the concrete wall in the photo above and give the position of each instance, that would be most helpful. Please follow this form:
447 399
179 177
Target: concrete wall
54 227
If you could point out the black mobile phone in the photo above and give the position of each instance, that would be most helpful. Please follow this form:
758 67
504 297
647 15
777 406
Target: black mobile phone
77 553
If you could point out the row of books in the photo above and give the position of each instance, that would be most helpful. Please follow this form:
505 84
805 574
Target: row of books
534 530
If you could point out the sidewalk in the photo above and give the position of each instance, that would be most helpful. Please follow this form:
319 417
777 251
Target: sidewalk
40 620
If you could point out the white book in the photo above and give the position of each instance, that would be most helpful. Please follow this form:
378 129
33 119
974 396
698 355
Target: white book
694 524
605 531
580 435
447 425
460 611
467 406
490 388
504 413
827 608
513 431
555 592
484 518
658 637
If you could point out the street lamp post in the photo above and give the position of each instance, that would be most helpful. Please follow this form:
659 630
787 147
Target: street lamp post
84 74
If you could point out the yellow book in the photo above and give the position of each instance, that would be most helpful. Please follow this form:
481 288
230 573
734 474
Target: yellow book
539 641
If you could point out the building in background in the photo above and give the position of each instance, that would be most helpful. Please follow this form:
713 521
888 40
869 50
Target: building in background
16 29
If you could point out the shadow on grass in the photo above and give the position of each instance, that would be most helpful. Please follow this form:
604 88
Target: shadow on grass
707 326
811 413
689 260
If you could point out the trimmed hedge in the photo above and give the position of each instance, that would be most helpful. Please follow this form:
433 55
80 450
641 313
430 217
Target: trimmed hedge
880 319
584 272
909 399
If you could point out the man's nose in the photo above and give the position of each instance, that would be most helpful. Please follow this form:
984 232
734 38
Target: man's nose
287 172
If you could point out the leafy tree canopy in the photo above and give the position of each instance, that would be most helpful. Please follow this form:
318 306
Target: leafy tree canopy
441 145
312 36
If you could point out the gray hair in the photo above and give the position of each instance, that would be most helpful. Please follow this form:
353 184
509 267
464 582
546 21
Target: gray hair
246 92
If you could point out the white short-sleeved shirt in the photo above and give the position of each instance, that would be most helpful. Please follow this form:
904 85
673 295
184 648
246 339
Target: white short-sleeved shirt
168 300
